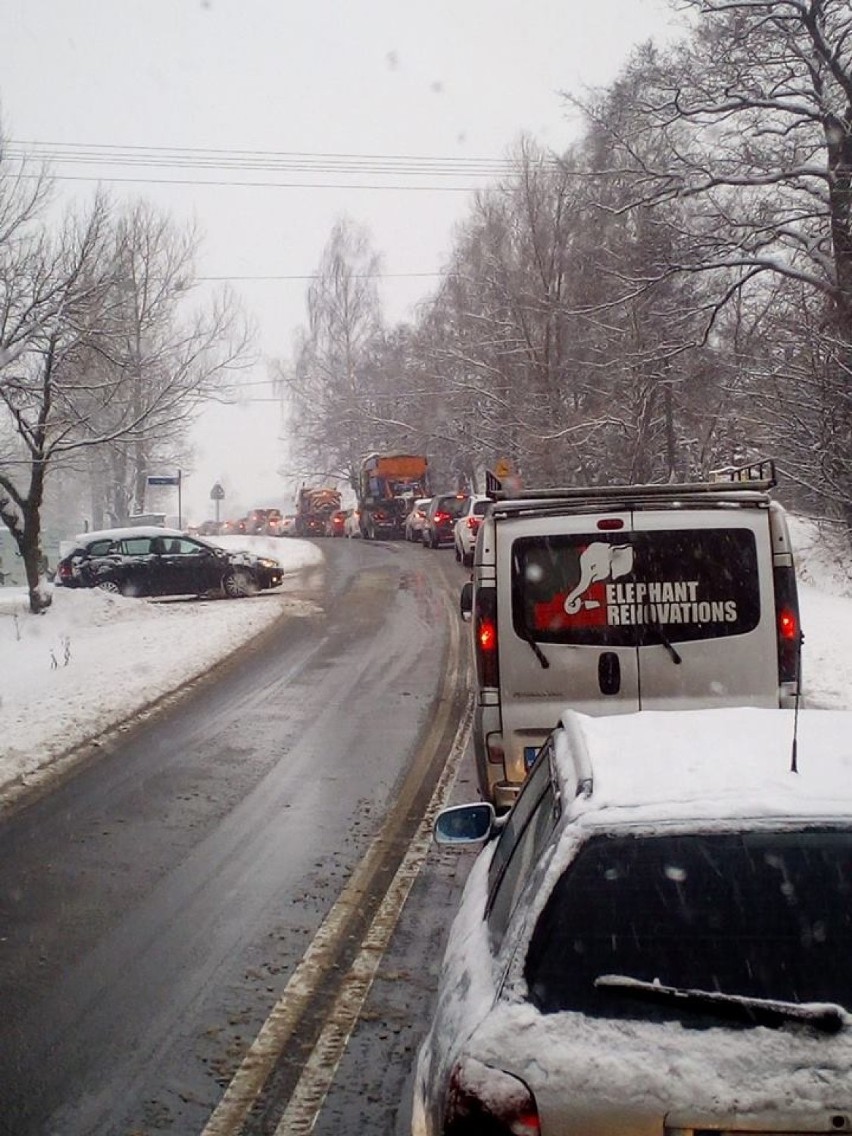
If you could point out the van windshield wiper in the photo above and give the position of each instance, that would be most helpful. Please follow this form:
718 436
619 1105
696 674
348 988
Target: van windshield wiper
825 1016
666 642
527 637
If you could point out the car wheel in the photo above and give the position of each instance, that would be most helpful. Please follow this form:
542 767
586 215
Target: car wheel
458 554
110 586
467 559
237 585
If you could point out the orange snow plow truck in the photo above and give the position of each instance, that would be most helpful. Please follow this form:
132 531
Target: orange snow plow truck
313 508
387 486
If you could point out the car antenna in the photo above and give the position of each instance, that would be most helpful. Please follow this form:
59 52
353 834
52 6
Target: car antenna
794 751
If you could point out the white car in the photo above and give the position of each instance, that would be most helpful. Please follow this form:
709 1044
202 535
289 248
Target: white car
467 526
352 524
415 518
656 937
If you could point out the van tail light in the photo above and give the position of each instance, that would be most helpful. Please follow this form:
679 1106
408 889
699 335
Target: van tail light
485 636
789 629
482 1099
472 523
494 749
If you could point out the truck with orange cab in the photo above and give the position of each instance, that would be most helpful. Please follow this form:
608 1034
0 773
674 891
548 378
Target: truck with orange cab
388 485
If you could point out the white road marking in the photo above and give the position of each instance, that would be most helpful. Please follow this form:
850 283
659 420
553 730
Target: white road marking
319 1070
229 1116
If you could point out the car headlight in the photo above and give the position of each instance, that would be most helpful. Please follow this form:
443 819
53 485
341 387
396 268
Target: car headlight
266 562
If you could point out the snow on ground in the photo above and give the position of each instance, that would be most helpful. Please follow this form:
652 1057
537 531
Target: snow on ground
93 659
824 571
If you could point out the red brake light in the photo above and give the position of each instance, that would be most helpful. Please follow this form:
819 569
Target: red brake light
609 523
788 624
487 635
473 523
484 1099
440 516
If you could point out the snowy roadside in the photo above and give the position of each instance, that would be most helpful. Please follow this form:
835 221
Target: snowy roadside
94 660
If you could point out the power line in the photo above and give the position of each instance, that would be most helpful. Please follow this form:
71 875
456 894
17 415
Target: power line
273 159
317 276
252 185
332 165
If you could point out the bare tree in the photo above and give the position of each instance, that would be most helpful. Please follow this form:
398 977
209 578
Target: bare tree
103 358
742 137
164 358
495 342
53 294
334 416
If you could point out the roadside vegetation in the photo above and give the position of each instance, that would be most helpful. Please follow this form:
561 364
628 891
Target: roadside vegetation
671 294
104 360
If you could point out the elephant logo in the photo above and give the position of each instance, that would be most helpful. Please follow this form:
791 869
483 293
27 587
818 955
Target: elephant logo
598 561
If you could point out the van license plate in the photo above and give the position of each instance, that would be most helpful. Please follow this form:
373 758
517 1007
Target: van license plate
530 754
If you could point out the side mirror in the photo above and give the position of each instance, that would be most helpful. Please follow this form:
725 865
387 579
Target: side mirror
466 602
464 824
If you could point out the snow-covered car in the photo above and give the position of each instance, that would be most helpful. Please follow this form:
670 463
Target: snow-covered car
352 524
163 562
467 526
657 935
415 517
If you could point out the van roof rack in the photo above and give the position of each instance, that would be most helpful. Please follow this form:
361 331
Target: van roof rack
726 484
762 471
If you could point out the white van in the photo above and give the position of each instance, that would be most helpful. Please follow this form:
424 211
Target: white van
623 598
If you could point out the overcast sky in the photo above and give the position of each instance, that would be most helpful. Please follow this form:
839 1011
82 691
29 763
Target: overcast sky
375 79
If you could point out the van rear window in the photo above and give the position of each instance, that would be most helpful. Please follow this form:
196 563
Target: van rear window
616 589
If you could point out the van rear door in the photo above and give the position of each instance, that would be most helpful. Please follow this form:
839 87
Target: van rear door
701 601
556 645
646 609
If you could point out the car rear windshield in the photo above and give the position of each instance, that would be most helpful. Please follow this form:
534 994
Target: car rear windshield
451 505
616 589
765 915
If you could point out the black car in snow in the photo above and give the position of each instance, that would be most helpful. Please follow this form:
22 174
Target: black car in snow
163 562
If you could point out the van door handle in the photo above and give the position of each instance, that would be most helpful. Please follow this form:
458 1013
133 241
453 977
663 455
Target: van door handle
609 673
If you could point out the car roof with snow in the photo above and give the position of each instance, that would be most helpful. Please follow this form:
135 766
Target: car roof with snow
708 767
127 531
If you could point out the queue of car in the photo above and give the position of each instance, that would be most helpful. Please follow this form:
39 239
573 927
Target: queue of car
655 936
258 522
447 519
